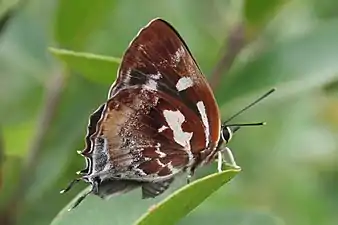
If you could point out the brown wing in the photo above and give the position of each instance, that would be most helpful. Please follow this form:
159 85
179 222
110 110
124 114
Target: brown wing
159 60
161 114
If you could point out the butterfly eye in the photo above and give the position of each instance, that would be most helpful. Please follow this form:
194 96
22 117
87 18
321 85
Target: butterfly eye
226 134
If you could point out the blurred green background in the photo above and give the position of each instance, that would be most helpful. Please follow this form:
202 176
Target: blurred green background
290 169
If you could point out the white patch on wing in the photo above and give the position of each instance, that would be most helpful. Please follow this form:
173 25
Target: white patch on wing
160 163
175 120
184 83
140 47
127 74
172 169
162 128
178 55
140 171
156 76
170 166
158 151
201 108
160 154
190 157
152 84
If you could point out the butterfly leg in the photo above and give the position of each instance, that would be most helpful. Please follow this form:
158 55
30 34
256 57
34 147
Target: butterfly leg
219 161
225 156
70 185
190 172
189 175
94 189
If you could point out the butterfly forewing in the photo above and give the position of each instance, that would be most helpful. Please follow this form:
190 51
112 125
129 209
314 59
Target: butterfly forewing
159 60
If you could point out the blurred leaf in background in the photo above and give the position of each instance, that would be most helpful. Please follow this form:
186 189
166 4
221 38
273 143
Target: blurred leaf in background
258 13
94 67
289 167
74 22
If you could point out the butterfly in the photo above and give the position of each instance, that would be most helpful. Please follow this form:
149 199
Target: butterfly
161 119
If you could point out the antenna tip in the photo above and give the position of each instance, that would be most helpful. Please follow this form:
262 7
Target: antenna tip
62 191
264 123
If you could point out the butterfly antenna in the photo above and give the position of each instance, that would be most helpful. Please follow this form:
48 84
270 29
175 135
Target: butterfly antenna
70 185
249 106
235 126
246 124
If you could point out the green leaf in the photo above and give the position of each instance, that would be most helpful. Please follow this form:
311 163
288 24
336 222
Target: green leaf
97 68
325 9
258 13
7 5
182 202
232 216
18 131
295 65
2 152
78 100
176 205
75 22
9 174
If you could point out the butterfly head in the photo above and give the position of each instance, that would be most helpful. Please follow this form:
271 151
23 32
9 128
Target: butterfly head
227 132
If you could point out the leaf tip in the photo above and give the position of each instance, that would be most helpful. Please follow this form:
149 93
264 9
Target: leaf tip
52 50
